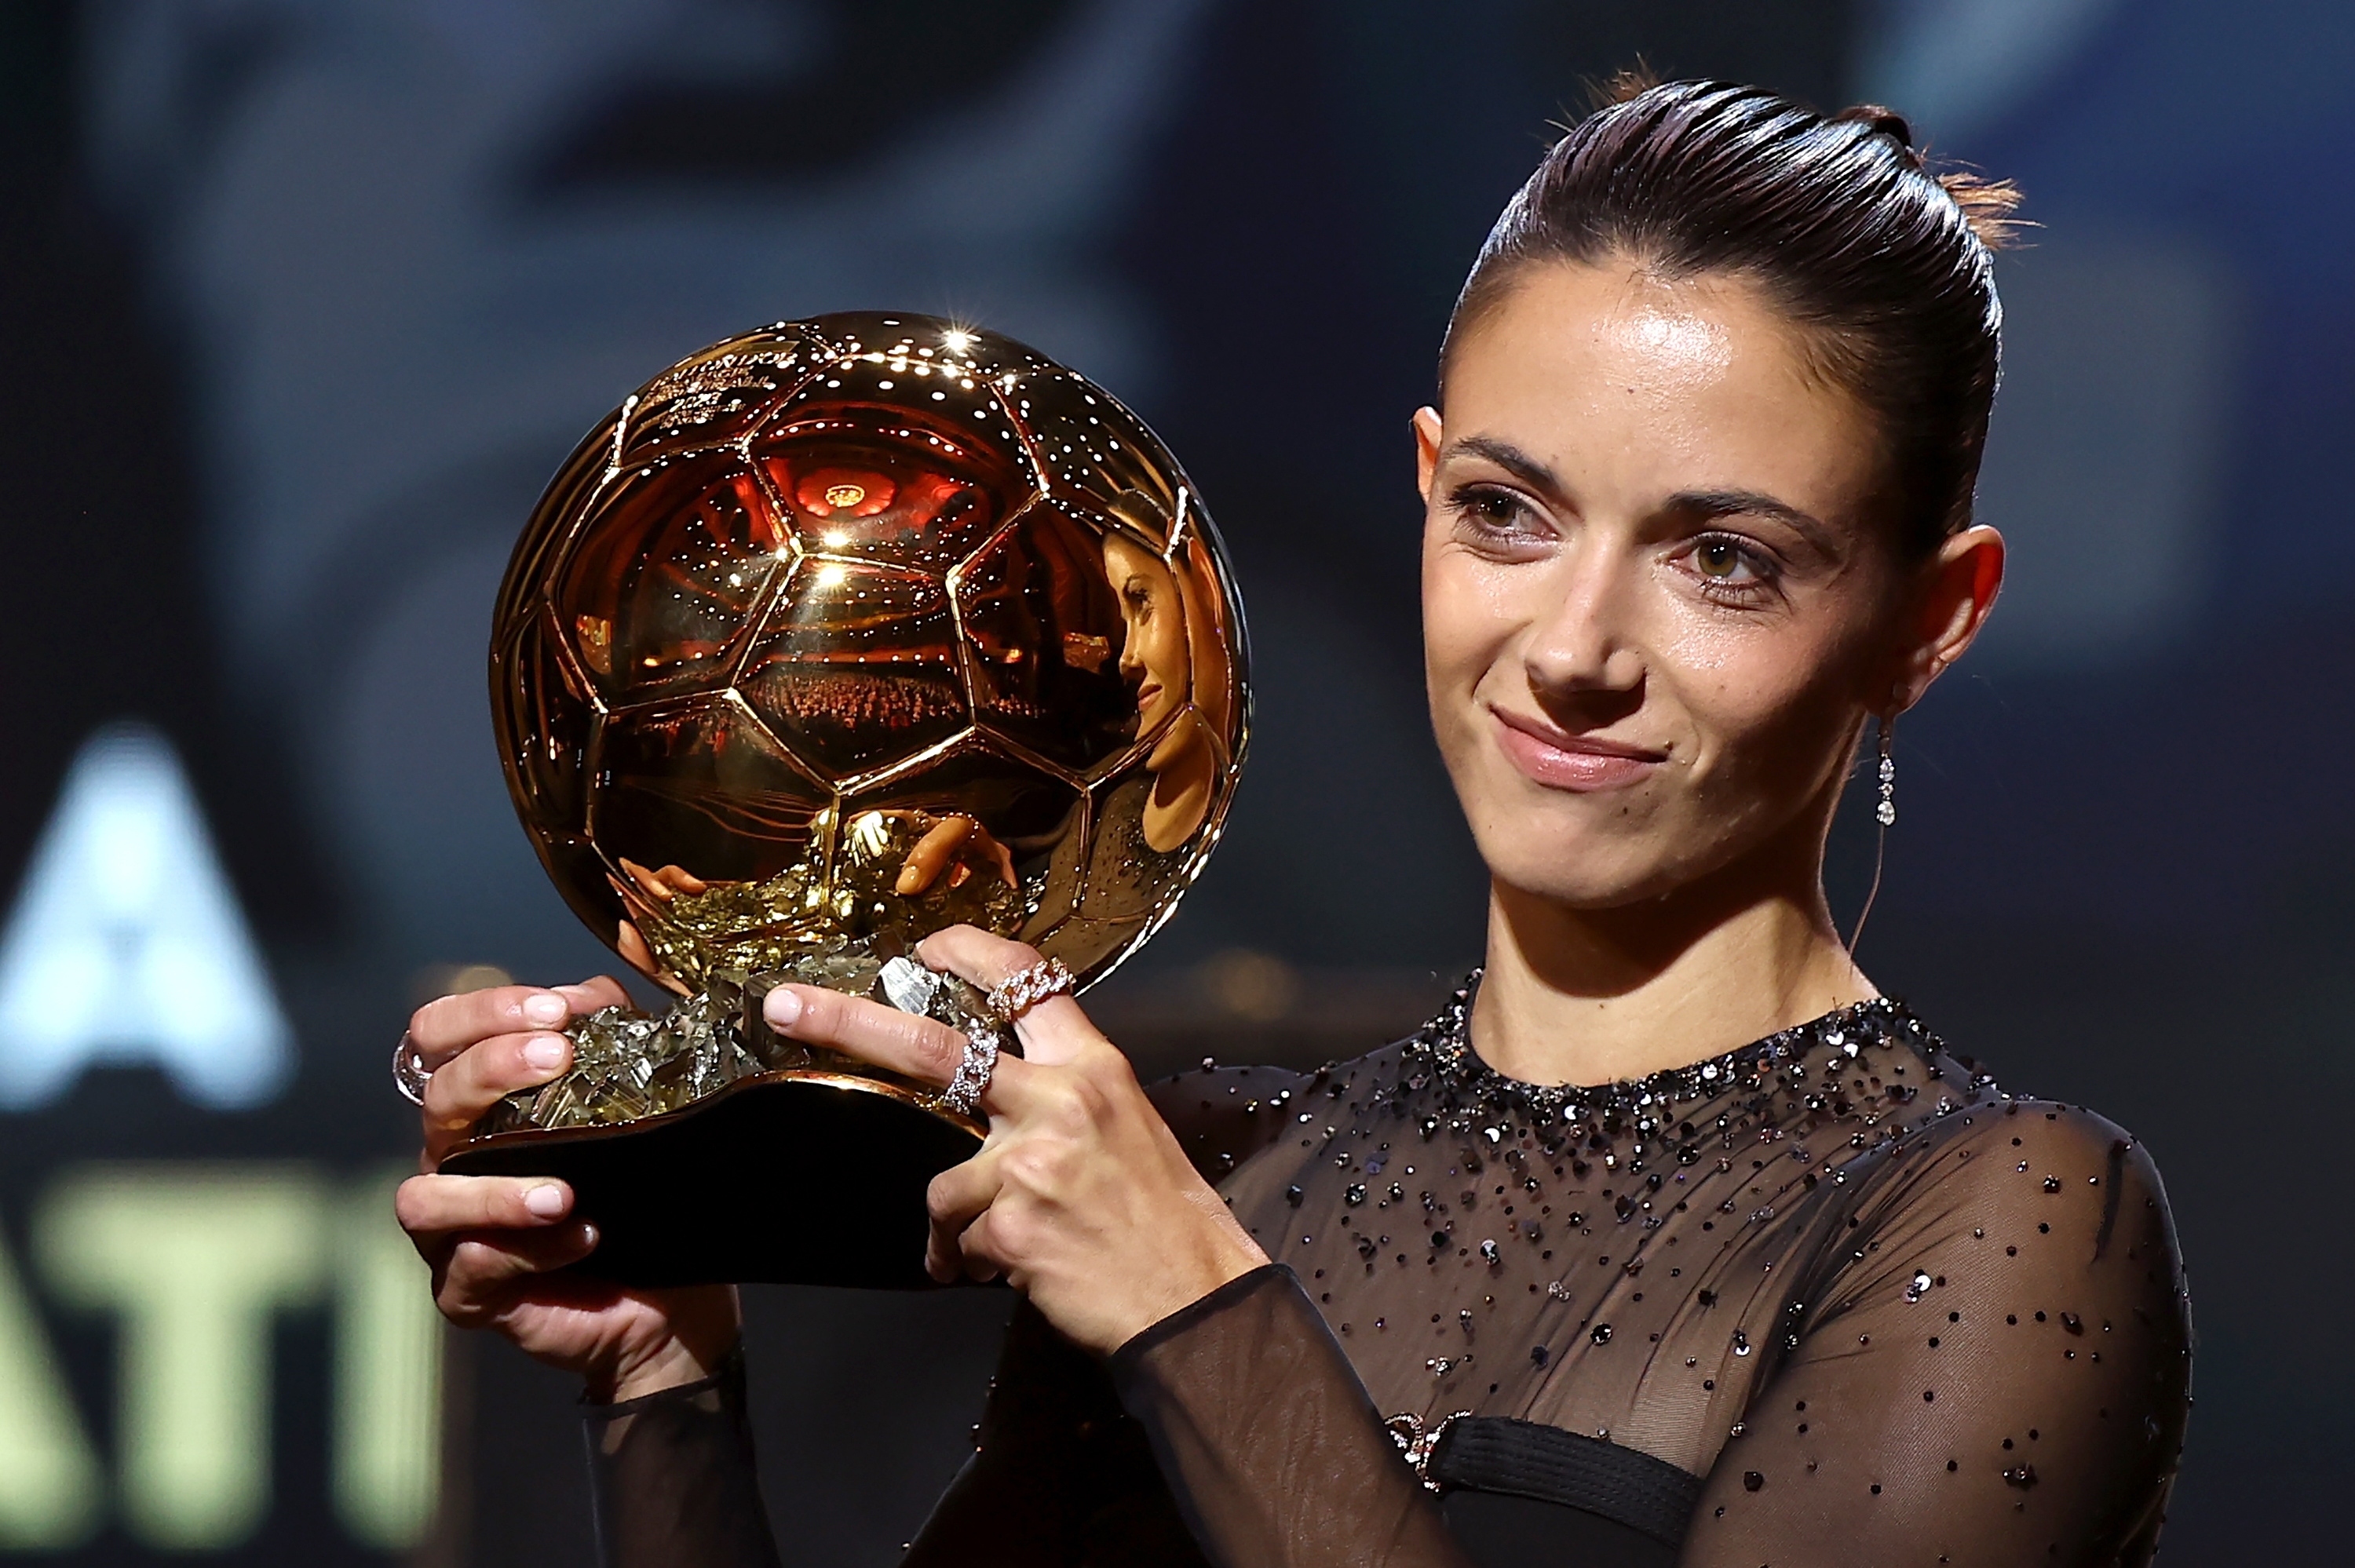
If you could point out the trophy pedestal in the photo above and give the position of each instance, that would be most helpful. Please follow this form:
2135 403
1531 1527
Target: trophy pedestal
799 1177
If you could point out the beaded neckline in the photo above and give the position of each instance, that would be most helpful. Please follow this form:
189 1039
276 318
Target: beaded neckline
1440 1055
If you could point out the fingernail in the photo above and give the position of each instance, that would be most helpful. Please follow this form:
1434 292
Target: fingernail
544 1009
546 1053
546 1202
782 1006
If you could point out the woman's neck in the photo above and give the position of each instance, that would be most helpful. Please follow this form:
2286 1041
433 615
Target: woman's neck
1594 996
1183 773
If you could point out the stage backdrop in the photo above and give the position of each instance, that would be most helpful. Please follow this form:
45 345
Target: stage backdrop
301 301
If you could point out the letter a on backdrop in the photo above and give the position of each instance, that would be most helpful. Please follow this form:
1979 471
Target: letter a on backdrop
127 946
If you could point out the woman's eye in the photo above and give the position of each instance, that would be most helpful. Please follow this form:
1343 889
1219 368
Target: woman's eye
1717 558
1496 514
1722 563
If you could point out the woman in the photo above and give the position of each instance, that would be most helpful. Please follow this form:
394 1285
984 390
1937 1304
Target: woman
1156 654
1574 1273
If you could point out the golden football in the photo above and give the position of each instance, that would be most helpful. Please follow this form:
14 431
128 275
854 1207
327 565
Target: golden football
865 625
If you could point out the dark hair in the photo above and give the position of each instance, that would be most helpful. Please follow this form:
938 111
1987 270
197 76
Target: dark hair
1884 264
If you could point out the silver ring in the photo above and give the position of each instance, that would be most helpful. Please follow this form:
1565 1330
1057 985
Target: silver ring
1018 992
972 1080
409 1073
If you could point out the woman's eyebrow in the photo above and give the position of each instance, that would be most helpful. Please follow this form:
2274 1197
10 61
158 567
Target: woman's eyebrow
1753 504
1513 461
1687 503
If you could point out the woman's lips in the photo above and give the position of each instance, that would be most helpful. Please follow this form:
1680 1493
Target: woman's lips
1148 695
1561 761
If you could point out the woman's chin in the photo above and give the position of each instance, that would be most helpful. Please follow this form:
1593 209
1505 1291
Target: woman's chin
1176 743
1578 873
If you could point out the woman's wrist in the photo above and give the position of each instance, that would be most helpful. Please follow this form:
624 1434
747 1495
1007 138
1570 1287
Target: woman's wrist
706 1326
1124 1357
674 1365
1226 1254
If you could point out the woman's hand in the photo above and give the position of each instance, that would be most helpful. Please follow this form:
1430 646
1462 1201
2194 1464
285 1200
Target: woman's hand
1081 1197
957 844
492 1241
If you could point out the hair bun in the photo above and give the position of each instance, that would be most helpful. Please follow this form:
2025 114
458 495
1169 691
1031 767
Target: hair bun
1879 117
1988 206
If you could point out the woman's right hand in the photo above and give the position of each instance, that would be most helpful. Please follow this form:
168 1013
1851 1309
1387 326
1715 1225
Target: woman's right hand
493 1241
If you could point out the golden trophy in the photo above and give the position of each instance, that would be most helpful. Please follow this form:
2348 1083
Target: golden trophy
834 634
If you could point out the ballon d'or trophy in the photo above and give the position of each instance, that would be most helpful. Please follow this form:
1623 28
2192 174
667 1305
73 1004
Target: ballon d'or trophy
835 634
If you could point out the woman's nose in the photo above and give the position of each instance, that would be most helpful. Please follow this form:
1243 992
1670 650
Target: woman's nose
1582 643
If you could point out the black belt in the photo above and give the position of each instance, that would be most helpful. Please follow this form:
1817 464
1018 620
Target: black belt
1497 1456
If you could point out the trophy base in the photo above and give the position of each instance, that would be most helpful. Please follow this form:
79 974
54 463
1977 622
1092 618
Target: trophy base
797 1177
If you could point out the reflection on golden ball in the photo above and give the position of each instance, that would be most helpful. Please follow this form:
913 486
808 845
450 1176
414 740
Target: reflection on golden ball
860 626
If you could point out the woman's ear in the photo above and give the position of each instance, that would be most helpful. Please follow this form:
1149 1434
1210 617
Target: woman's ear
1959 588
1426 449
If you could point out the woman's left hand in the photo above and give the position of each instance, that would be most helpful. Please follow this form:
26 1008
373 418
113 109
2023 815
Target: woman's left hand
1081 1197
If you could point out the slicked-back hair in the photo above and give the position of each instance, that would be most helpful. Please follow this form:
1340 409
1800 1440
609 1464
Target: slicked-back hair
1884 265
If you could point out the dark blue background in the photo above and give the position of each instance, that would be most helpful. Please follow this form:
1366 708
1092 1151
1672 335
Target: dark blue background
302 300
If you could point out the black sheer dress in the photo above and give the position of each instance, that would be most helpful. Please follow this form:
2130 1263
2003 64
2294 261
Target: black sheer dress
1831 1298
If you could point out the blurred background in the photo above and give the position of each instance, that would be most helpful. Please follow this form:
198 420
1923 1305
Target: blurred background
302 301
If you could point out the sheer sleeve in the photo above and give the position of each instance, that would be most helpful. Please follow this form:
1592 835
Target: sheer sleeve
1270 1449
673 1479
1060 1473
1997 1375
1061 1476
1275 1456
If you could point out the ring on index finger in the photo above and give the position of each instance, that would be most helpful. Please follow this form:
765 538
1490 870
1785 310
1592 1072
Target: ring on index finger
409 1073
1025 988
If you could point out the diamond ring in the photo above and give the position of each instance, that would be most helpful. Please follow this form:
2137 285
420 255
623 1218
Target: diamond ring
409 1073
1018 992
972 1080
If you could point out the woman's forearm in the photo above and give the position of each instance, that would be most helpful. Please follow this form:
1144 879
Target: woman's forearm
674 1478
1270 1444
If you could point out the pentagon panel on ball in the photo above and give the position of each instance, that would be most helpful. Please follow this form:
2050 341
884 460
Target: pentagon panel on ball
858 668
659 588
700 783
834 635
1097 452
1044 638
899 454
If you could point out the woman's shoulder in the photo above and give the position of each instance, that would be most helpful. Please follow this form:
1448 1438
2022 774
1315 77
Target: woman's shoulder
2027 1153
2044 1178
1224 1115
1961 1110
1939 1145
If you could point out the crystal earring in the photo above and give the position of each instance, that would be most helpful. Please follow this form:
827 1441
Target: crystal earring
1885 813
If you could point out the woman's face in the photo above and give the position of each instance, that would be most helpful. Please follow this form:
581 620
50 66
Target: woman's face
1153 651
1656 604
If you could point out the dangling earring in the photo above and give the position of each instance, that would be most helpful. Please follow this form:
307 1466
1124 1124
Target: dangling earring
1884 812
